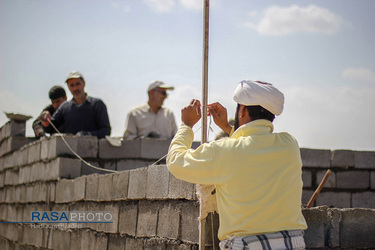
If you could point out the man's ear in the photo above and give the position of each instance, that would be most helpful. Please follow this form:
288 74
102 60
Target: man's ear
242 111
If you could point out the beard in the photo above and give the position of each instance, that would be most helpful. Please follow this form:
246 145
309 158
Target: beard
236 120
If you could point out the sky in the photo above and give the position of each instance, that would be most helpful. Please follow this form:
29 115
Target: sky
319 53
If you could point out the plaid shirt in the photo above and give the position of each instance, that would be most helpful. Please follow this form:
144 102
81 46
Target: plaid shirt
292 239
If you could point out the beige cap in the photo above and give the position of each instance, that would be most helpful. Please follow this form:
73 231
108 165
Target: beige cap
73 74
158 84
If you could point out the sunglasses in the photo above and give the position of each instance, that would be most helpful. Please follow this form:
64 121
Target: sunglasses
163 92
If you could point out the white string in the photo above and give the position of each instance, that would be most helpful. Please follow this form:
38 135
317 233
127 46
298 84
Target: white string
103 169
79 157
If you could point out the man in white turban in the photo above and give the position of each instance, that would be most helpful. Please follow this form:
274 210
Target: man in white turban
256 172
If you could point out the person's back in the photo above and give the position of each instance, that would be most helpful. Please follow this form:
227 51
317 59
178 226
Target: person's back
257 173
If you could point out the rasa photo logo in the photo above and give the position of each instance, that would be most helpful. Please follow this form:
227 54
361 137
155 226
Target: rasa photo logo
71 217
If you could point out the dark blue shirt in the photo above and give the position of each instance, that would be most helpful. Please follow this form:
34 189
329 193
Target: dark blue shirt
91 116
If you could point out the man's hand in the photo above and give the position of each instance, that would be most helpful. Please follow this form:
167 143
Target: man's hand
219 113
46 117
191 114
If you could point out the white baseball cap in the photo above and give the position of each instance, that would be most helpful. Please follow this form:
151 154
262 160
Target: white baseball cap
73 74
158 84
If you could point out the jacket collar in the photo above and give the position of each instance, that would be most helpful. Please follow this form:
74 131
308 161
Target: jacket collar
257 127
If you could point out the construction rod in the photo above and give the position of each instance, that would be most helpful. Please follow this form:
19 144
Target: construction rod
206 6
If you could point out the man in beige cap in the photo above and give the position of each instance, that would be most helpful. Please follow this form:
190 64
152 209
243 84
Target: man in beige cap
256 172
83 115
151 119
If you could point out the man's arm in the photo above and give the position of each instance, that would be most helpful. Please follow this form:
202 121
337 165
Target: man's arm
201 165
219 113
130 127
102 119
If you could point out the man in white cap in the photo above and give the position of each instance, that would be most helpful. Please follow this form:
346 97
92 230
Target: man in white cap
256 172
83 115
151 119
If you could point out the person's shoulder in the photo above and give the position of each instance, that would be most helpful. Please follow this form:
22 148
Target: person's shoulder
141 108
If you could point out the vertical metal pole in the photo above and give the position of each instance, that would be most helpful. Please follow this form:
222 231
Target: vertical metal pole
202 221
205 69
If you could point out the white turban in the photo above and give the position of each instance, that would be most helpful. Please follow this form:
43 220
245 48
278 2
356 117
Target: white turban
251 93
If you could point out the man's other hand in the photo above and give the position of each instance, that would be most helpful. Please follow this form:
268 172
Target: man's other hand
191 114
46 117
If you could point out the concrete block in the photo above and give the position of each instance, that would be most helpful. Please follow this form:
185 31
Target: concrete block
79 188
335 199
356 227
342 158
87 169
60 239
15 142
147 218
2 164
9 161
306 178
112 227
120 185
316 158
2 179
23 157
105 187
40 192
132 164
37 172
363 200
128 217
116 242
44 148
63 168
137 183
92 183
88 240
87 146
189 221
16 128
169 220
353 179
57 147
131 244
24 175
316 219
101 241
111 165
64 191
154 148
34 152
334 217
76 239
331 181
128 149
51 192
155 244
29 193
157 182
179 189
372 180
364 159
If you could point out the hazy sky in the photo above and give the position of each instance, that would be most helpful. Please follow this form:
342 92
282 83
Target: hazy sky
319 53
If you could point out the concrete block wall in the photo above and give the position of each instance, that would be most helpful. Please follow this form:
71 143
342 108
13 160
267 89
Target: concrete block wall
151 208
351 183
